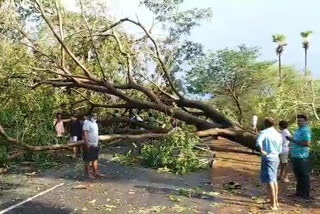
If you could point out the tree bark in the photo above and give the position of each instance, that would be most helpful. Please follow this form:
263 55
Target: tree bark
103 138
245 138
280 70
305 62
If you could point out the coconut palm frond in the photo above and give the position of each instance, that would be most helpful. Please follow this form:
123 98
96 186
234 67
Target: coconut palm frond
280 39
306 34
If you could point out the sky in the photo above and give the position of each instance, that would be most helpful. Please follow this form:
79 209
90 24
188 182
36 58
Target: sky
250 22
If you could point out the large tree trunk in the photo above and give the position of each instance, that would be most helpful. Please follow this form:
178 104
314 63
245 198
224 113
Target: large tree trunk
245 138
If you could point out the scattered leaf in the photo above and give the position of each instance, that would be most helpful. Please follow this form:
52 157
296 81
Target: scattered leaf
30 174
178 208
163 169
214 204
80 187
93 201
109 206
213 193
174 198
116 201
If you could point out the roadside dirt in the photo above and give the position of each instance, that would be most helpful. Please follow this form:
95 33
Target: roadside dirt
232 186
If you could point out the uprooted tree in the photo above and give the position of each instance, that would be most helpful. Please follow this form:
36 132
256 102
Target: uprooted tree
108 66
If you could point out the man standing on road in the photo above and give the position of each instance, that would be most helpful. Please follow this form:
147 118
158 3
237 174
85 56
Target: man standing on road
91 147
269 142
299 153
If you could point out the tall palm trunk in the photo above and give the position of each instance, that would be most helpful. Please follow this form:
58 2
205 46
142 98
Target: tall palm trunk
280 70
305 62
313 105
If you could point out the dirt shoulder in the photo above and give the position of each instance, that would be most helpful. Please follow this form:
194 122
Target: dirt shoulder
127 189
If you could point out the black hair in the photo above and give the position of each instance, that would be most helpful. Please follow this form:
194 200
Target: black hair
283 124
269 122
302 116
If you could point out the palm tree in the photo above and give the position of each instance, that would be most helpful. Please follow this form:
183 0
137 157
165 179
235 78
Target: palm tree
305 44
280 39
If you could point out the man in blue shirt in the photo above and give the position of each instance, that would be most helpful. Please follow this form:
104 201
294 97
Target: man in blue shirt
269 142
299 153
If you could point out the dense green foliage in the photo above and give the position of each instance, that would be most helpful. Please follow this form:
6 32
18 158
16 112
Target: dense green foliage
175 153
241 85
315 148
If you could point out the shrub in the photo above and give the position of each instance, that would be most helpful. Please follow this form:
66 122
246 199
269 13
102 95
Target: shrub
175 153
315 148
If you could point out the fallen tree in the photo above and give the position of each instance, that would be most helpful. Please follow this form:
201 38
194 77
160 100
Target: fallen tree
134 90
105 139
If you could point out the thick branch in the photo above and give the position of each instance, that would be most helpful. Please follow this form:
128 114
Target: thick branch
90 30
245 138
74 58
157 50
208 110
113 120
61 34
104 138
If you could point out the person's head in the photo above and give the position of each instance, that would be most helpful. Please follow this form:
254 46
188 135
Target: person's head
269 122
150 114
283 124
93 117
80 118
58 116
116 111
302 120
74 116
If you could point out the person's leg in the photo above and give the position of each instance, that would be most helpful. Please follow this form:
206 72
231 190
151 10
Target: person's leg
272 193
87 169
285 173
95 162
296 165
95 169
275 183
74 152
86 162
281 175
305 178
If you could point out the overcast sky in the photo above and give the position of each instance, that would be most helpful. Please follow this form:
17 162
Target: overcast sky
250 22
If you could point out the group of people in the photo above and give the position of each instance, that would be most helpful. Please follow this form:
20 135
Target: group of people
82 129
86 129
279 148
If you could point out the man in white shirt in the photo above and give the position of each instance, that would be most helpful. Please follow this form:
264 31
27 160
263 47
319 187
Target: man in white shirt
284 156
91 145
269 142
254 123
